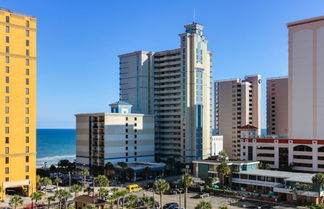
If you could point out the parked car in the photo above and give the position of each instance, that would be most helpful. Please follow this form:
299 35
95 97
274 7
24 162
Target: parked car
171 205
201 195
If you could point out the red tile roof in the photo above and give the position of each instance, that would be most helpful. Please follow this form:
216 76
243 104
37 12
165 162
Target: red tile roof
248 127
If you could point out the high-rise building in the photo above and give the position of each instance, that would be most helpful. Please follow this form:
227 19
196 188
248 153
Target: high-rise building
277 106
119 136
237 103
175 85
306 79
17 103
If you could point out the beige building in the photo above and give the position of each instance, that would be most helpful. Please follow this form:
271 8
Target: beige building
237 103
306 79
119 136
175 86
277 106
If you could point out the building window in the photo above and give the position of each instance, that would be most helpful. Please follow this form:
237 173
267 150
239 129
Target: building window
27 130
27 72
135 124
7 160
126 124
126 136
135 153
6 170
27 177
27 62
7 49
135 136
7 39
7 179
7 19
126 142
27 149
27 81
7 99
27 42
27 100
7 130
126 148
27 110
7 120
7 140
6 150
7 79
135 118
135 130
27 139
7 89
126 118
7 29
135 147
7 59
27 52
27 168
27 120
135 141
27 91
27 23
7 69
27 32
126 130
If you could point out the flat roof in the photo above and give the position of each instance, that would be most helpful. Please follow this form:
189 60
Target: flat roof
276 78
16 13
305 21
114 114
227 162
288 176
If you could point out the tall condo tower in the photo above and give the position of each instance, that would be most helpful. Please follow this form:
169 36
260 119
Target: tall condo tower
237 103
175 86
17 103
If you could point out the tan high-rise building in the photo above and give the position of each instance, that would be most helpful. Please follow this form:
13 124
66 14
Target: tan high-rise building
277 106
306 79
174 85
17 103
237 103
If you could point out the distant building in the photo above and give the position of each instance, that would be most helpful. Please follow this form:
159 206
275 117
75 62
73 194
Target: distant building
174 85
237 103
277 106
306 79
18 103
119 136
216 144
83 200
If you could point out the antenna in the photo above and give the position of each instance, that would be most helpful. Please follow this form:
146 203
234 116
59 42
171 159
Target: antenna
194 14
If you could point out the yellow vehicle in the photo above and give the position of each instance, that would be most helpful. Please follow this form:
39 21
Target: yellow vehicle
133 188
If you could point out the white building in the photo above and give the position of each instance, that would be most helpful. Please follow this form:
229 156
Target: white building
175 86
119 136
216 144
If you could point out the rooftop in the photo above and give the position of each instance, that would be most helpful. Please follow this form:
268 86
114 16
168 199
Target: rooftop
288 176
248 127
121 103
305 21
16 13
235 162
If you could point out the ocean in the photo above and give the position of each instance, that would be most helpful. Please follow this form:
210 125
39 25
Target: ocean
54 145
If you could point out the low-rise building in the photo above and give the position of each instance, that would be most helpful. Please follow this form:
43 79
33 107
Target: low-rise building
84 200
119 136
282 153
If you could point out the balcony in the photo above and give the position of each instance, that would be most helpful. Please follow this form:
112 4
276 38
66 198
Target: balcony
255 182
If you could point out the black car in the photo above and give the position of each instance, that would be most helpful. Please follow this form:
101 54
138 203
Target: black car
170 205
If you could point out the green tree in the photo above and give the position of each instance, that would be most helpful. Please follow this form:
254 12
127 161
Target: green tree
101 181
103 192
223 155
37 196
62 195
70 207
76 188
186 181
50 199
57 181
38 181
223 207
46 181
161 186
88 190
16 201
224 170
132 201
203 205
123 167
264 166
209 182
90 206
318 181
147 202
121 194
84 173
129 174
109 169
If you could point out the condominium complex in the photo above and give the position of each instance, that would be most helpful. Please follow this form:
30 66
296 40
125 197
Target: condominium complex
237 103
277 106
119 136
175 86
306 79
17 103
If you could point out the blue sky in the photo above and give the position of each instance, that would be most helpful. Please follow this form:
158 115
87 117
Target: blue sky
78 44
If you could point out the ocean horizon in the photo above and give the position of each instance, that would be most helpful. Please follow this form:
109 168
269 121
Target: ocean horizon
54 145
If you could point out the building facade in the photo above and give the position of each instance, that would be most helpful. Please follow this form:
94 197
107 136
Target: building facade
18 103
277 106
176 88
119 136
306 79
216 144
237 103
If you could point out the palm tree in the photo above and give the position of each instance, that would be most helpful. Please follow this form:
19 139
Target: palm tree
223 155
90 206
62 195
85 173
36 196
161 186
38 181
50 199
121 194
186 181
109 169
318 180
147 202
76 188
132 201
123 167
88 190
57 181
223 170
16 201
103 192
209 181
102 181
204 205
46 181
